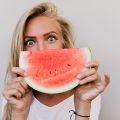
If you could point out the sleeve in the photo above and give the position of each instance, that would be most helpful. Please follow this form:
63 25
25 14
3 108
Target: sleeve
2 106
95 108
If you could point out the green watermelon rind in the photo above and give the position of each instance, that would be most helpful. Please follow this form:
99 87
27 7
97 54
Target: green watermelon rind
56 90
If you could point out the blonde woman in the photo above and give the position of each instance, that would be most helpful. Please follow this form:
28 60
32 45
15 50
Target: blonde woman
38 29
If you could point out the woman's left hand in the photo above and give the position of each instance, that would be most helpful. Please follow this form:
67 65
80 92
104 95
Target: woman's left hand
91 84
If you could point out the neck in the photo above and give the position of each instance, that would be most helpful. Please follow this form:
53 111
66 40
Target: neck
52 99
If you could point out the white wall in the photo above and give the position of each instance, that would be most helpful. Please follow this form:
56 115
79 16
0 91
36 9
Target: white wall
96 24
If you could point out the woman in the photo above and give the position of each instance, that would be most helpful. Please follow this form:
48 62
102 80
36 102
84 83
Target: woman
38 29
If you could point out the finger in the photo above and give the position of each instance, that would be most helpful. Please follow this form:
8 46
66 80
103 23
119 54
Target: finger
13 81
24 85
89 79
106 81
18 71
17 85
86 73
20 82
100 86
9 83
15 102
12 93
92 64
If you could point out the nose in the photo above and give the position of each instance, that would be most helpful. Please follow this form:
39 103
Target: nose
41 45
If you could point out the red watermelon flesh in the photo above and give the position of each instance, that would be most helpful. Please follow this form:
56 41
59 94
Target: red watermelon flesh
54 69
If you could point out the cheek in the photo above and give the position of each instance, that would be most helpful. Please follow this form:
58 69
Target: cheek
57 45
32 48
60 44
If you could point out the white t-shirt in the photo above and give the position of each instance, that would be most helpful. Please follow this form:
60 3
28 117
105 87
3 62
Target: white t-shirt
39 111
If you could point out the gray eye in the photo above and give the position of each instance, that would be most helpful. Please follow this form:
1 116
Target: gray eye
52 39
29 42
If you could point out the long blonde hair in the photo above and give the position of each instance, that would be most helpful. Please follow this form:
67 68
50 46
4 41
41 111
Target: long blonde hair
43 9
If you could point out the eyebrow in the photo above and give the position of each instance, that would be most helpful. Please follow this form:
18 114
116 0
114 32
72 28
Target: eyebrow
49 33
43 34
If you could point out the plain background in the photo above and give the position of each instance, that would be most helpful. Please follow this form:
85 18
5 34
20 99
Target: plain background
96 25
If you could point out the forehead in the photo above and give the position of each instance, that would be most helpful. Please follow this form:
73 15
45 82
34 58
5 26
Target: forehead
42 24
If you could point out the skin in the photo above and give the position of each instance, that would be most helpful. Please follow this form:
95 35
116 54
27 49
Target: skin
45 33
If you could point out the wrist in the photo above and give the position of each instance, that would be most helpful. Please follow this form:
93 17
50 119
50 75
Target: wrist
83 108
19 115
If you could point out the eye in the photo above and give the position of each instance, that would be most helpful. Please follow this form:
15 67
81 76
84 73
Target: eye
51 38
29 42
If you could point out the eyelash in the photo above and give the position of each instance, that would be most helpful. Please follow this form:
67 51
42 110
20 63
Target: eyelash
25 43
53 36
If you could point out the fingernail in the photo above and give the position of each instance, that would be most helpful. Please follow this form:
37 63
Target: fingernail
87 64
25 74
79 76
81 82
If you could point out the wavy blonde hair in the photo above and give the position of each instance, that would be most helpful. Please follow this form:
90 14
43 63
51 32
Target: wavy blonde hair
43 9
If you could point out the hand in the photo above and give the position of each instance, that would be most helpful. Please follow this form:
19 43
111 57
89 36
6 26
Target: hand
17 93
91 84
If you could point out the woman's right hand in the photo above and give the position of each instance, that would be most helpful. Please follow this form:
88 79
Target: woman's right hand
17 93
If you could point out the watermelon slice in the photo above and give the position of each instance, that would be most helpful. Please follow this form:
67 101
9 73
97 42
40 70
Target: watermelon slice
54 70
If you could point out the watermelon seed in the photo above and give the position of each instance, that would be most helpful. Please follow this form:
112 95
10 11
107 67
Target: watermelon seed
68 65
55 73
50 72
